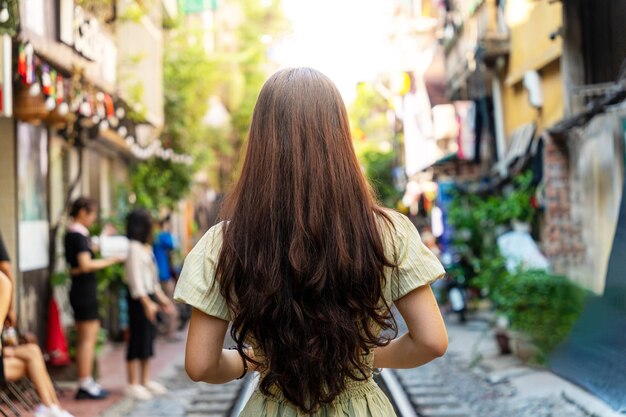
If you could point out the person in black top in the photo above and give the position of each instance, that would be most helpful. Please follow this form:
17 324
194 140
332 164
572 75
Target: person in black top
83 293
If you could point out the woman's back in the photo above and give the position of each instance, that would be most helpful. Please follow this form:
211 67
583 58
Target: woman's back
307 264
417 266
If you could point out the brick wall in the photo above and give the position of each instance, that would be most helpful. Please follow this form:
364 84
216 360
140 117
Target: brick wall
563 242
583 179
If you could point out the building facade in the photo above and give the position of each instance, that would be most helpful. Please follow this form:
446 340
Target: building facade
77 111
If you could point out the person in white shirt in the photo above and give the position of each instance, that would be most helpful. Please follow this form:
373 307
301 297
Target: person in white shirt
145 299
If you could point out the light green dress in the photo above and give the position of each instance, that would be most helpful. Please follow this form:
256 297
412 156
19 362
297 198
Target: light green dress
417 266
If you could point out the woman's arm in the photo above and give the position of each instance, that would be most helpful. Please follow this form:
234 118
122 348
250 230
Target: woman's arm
87 264
426 338
163 300
6 295
205 358
5 267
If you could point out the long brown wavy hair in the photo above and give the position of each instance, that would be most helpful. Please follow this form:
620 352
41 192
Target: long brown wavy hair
302 262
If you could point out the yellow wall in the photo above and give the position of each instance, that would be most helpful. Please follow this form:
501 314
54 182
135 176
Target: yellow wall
531 23
517 110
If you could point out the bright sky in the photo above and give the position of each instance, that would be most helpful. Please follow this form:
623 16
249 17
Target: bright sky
345 39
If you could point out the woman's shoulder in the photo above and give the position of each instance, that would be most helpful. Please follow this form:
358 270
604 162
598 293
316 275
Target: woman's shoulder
393 221
73 238
72 234
211 241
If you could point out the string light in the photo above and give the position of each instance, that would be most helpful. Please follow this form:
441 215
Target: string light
97 107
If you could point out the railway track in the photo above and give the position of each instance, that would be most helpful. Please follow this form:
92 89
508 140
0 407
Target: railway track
420 392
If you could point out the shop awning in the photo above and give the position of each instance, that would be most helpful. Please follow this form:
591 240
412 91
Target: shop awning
611 97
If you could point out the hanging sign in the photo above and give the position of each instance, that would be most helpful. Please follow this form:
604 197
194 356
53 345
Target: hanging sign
89 39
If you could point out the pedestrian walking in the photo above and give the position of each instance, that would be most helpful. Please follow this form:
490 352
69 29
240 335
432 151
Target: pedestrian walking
145 299
306 266
79 255
163 246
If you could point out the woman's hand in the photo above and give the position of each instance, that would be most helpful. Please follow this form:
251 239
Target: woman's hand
167 306
150 308
8 352
12 316
249 351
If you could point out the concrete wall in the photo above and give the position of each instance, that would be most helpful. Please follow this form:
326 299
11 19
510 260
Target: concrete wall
597 174
583 177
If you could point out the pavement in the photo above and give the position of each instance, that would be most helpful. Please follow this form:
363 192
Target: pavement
472 379
112 370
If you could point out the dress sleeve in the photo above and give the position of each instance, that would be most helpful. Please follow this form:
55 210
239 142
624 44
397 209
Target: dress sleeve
417 265
82 243
197 284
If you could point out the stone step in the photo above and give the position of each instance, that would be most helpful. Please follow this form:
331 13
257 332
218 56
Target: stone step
207 408
422 382
206 415
434 401
427 391
205 397
445 412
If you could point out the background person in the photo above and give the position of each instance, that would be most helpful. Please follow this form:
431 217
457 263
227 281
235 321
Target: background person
306 266
12 320
26 360
145 299
5 267
163 246
83 293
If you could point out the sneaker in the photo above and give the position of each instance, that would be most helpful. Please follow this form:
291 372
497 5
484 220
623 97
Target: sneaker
58 412
52 411
95 386
91 394
155 388
138 392
42 411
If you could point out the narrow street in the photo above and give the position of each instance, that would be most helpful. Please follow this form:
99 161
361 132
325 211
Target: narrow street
235 157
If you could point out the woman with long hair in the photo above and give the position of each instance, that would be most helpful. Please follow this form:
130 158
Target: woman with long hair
306 266
79 255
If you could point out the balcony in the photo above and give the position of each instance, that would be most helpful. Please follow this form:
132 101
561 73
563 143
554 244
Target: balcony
478 42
